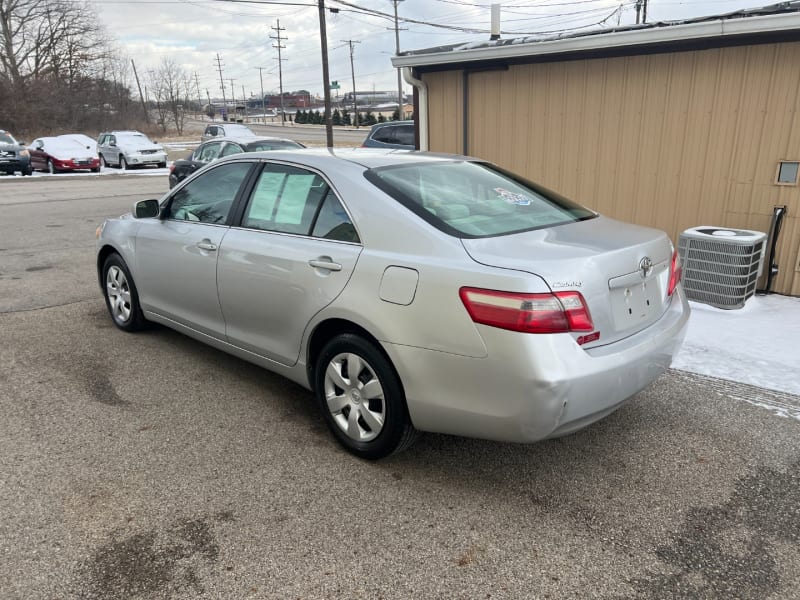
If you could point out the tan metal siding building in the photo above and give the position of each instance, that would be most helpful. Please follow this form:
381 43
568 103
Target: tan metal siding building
670 137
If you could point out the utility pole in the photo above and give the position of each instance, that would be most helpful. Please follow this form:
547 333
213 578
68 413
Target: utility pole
233 98
641 11
397 52
326 81
244 101
353 74
277 37
141 96
263 101
222 87
199 97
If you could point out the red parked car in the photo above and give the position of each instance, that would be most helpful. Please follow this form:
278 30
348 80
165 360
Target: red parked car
63 153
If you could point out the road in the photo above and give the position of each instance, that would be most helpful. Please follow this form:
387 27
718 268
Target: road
310 135
152 466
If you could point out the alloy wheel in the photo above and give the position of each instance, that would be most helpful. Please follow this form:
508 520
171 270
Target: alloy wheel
119 294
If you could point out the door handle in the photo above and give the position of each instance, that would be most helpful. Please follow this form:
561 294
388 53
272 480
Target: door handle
207 245
325 262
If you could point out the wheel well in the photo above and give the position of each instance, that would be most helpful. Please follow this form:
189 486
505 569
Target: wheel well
329 329
104 253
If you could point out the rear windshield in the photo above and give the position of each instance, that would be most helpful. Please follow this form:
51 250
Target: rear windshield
473 199
272 145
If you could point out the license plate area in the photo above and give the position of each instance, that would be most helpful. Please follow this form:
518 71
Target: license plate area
636 304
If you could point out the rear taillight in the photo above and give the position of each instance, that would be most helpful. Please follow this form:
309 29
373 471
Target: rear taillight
675 273
558 312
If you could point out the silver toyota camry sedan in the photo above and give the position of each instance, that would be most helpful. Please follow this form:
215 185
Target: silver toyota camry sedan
410 291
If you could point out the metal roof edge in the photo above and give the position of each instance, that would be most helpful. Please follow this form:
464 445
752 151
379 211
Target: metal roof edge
645 37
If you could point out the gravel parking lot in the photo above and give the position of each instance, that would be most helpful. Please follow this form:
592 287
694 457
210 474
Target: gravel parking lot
152 466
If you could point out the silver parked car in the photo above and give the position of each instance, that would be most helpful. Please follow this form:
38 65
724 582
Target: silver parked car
409 291
126 149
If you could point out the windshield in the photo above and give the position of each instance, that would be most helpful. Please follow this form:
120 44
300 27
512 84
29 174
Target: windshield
6 139
472 199
133 138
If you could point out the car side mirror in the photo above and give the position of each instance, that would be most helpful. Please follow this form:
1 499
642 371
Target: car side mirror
146 209
113 144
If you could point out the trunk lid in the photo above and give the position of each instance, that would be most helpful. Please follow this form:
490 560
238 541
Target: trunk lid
622 270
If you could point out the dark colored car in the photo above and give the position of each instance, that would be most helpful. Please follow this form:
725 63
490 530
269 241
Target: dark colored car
63 153
14 156
220 147
392 134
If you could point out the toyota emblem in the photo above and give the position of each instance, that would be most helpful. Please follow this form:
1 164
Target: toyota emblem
645 267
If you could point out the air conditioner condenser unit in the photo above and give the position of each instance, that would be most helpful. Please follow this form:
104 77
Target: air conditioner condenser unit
721 266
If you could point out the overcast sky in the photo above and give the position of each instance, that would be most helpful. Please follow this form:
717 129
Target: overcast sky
193 32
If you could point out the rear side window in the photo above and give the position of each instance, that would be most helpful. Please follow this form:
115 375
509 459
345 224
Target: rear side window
288 199
473 199
384 134
404 134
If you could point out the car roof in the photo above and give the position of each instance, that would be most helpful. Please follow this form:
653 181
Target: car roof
391 123
368 158
248 139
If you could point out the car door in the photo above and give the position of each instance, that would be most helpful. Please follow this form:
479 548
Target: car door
291 255
36 149
176 255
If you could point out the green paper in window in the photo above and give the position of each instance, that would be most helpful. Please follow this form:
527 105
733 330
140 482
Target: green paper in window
293 199
264 196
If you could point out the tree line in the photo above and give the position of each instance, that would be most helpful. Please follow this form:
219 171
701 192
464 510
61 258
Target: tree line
61 72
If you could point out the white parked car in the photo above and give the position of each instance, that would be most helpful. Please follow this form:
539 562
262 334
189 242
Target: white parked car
126 149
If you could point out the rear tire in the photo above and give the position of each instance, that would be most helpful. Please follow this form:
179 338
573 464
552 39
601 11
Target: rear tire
361 398
122 299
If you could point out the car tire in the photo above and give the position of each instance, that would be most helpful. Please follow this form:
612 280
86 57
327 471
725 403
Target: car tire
366 411
28 171
162 165
51 168
122 299
123 164
96 170
103 163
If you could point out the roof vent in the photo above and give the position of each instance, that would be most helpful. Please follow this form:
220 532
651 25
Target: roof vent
495 22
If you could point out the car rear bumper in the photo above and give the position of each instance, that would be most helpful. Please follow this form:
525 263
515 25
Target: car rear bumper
532 387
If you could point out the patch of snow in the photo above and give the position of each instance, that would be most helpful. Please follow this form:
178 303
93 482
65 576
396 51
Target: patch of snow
758 345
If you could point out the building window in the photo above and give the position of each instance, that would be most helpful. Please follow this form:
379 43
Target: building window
787 172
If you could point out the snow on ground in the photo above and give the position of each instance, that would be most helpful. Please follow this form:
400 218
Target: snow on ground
758 345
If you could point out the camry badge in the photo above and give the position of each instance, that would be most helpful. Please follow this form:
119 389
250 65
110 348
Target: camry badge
645 267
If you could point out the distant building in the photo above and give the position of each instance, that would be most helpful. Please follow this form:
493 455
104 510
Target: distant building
371 97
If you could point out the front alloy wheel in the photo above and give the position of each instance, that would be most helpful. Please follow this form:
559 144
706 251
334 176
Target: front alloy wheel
122 300
361 398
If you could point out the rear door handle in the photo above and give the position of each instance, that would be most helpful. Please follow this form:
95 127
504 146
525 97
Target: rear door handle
325 262
207 245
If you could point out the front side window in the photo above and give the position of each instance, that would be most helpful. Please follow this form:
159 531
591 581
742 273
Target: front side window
285 199
209 197
473 199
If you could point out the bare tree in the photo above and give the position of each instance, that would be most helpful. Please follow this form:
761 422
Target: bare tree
57 66
169 84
